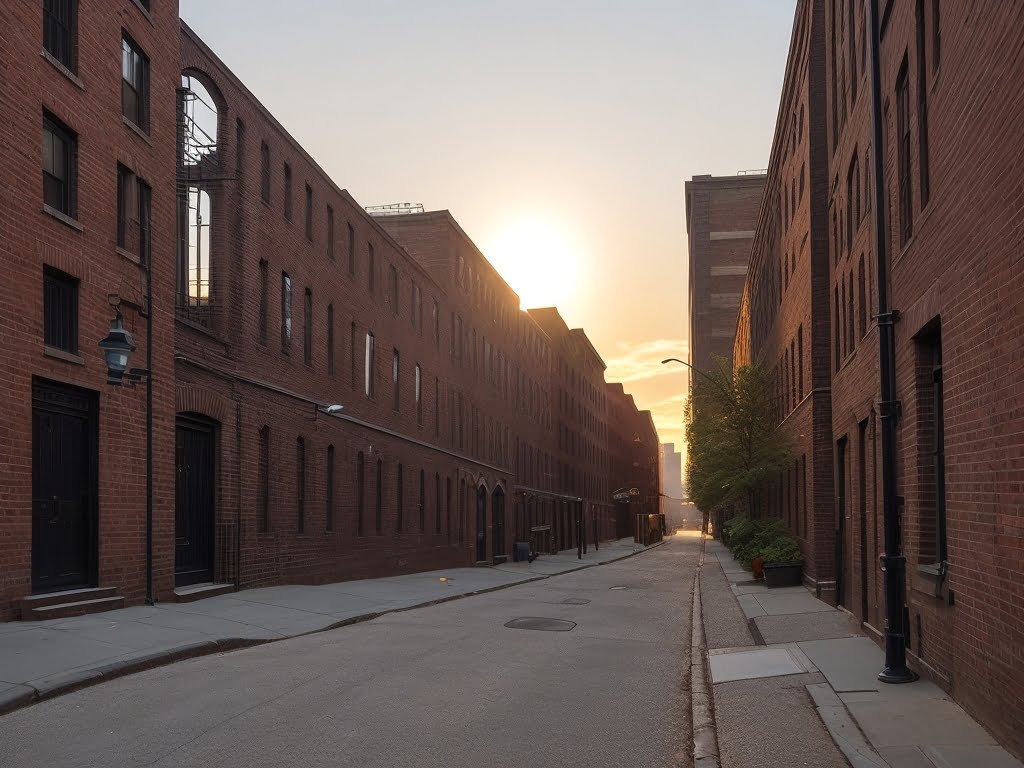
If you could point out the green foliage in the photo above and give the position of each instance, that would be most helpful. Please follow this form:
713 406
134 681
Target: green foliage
783 550
733 445
768 539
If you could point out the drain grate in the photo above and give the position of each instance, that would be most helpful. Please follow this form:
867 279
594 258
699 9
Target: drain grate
541 624
575 601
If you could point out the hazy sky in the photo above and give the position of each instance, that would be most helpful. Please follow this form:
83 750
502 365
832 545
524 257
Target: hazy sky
558 133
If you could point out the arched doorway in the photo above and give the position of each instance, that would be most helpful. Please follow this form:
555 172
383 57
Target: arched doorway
194 508
498 518
481 524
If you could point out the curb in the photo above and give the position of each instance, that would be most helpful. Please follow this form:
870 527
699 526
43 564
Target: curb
26 694
705 734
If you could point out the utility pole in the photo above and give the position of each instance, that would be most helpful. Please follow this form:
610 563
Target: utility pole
892 562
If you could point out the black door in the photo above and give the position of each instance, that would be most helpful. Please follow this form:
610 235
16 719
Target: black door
194 501
64 480
498 531
481 524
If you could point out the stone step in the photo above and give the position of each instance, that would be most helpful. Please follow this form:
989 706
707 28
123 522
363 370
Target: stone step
65 596
75 608
200 591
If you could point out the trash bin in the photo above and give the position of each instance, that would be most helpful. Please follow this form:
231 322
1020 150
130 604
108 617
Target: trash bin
521 551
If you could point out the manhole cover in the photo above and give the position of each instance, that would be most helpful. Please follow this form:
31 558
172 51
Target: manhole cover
543 625
575 601
616 587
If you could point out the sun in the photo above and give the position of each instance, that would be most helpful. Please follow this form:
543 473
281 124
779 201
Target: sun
538 260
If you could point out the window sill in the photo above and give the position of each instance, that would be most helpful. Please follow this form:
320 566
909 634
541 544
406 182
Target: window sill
60 354
128 255
63 218
62 69
138 131
144 11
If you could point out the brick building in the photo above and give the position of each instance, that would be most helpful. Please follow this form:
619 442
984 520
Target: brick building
335 395
632 461
952 130
88 205
721 212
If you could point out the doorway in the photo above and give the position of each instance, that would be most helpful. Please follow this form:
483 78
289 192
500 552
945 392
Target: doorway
194 511
481 524
842 526
498 529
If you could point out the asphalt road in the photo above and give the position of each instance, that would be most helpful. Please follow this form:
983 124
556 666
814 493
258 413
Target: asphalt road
448 685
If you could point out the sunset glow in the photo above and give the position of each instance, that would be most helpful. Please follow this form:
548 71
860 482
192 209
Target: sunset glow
539 261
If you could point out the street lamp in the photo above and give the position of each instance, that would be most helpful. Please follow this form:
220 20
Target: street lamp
116 346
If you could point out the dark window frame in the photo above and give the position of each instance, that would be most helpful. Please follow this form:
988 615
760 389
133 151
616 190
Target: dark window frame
300 483
65 201
60 32
60 310
264 301
286 312
265 172
132 189
309 213
307 327
288 202
135 91
263 481
330 340
329 493
903 154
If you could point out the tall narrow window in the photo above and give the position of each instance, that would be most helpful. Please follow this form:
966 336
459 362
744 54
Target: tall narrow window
351 249
330 339
309 212
936 36
307 328
353 357
396 380
300 483
903 154
368 366
59 31
371 268
423 501
852 200
448 507
265 172
792 371
393 287
851 344
60 166
329 509
264 299
134 83
196 269
836 327
60 311
437 503
437 407
360 492
134 199
263 482
418 385
399 501
287 191
862 299
851 48
845 339
437 325
330 233
800 362
286 311
931 439
378 509
239 146
417 308
922 105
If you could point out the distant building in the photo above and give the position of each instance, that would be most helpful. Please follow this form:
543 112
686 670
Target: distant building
673 463
721 214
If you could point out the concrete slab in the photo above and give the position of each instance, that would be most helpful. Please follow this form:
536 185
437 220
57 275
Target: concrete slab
971 757
749 665
781 603
849 663
905 757
850 741
748 589
751 607
25 656
823 695
890 722
806 626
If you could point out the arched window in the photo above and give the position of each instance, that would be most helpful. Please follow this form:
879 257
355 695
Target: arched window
196 270
199 121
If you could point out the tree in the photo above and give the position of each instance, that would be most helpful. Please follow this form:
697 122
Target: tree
732 441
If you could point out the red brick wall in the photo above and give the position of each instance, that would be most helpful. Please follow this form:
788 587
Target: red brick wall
89 103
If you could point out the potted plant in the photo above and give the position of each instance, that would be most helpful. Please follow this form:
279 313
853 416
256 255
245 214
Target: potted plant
783 562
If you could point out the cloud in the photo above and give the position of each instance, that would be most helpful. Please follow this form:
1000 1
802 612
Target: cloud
643 361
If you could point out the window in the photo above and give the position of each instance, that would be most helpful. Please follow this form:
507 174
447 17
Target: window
300 483
378 519
264 299
60 310
134 83
351 249
448 507
862 299
922 106
195 269
437 503
437 325
60 165
851 343
307 328
286 311
399 501
792 372
416 309
423 501
851 48
360 492
371 267
239 146
931 442
852 200
418 384
395 380
60 19
309 212
263 482
330 339
936 36
903 154
330 233
287 191
800 362
368 368
836 326
265 171
393 287
437 407
352 354
134 199
329 510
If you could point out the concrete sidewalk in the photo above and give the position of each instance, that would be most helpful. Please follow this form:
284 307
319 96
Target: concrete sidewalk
800 671
40 659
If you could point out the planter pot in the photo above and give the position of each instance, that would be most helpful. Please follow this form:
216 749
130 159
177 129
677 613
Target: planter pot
783 574
757 566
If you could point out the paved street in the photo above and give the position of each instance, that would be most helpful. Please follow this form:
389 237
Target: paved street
447 685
